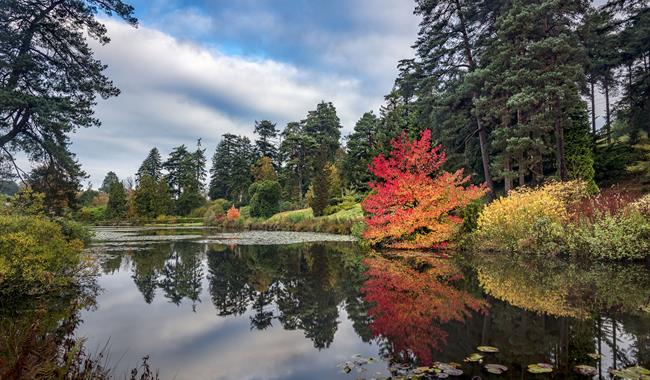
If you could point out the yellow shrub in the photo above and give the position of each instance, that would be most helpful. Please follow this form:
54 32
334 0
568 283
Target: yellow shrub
527 220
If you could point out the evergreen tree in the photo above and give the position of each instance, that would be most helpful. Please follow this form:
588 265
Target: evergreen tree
324 126
199 168
320 183
180 170
117 201
145 195
361 148
49 77
264 198
265 143
297 149
59 187
109 179
535 72
230 174
151 166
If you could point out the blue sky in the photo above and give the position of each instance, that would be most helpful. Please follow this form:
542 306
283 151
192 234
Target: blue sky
198 69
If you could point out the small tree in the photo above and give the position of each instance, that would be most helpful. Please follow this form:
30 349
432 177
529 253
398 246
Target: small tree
117 201
233 213
412 202
265 198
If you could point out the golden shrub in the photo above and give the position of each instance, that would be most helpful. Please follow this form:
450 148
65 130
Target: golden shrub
526 220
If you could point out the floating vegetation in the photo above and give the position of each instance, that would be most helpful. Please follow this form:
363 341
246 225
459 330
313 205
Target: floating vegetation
585 370
631 373
496 369
473 358
487 349
594 355
540 368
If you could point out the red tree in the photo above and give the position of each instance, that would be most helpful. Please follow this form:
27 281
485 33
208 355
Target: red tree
411 203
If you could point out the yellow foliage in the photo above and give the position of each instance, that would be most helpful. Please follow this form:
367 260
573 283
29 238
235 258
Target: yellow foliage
522 221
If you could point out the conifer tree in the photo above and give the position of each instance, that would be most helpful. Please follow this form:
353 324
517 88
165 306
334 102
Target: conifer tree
151 166
117 201
361 148
265 142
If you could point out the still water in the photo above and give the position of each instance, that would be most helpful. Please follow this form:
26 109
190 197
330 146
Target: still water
261 305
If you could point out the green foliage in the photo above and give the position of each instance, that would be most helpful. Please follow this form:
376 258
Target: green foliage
152 198
324 126
50 78
611 162
361 148
35 255
109 179
579 150
230 174
470 215
321 191
91 214
297 150
621 236
151 166
265 145
213 211
117 201
188 201
265 198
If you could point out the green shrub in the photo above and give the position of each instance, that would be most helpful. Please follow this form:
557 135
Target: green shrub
265 198
91 214
622 236
35 255
74 230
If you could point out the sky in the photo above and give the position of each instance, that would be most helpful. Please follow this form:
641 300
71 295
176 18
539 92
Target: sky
199 69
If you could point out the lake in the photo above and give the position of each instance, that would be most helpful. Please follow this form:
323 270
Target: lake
267 305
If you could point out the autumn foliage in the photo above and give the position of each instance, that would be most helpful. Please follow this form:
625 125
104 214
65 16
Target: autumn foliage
412 304
413 199
233 213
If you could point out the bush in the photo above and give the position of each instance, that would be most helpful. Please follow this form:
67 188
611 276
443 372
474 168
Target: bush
622 236
35 255
265 198
92 214
527 220
213 211
233 213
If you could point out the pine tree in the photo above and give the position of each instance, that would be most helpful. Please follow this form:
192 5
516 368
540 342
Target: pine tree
109 179
117 201
320 183
297 150
151 166
324 126
230 174
265 143
535 73
361 148
263 170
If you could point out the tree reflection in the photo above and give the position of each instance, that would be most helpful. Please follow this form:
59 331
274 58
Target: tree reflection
412 303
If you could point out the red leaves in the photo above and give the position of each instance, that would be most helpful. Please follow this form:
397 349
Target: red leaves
410 206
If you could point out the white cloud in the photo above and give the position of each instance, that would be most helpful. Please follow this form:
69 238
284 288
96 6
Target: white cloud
174 92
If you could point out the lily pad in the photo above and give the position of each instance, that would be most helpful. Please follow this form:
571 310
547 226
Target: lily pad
453 371
585 370
632 373
496 369
473 358
540 368
489 349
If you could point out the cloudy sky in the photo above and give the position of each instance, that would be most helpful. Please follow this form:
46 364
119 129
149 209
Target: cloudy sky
198 69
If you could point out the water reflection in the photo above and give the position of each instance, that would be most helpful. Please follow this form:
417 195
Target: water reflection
217 311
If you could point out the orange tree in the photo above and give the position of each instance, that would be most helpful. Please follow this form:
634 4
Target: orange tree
412 202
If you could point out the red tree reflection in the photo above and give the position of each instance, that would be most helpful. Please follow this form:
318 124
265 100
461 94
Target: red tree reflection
412 301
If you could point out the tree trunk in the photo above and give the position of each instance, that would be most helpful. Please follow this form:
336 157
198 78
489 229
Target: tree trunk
607 113
507 179
593 107
559 146
485 158
521 170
